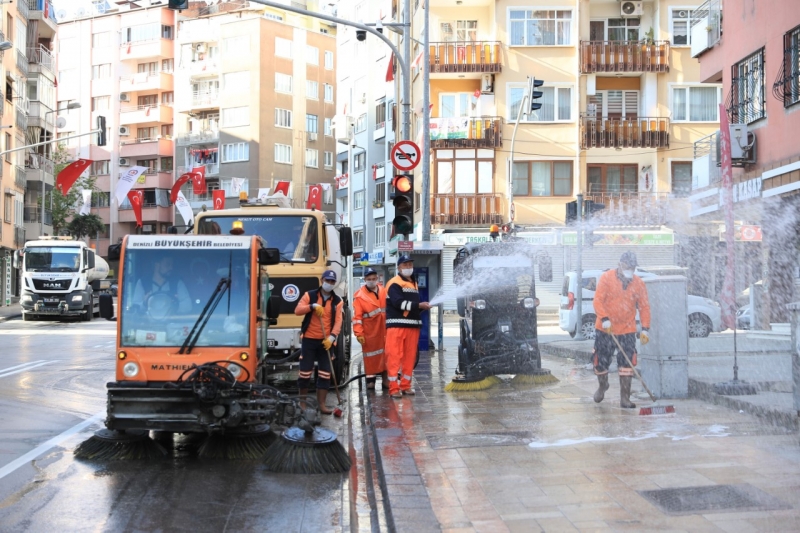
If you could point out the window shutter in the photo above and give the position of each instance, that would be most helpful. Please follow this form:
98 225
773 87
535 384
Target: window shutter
614 105
631 104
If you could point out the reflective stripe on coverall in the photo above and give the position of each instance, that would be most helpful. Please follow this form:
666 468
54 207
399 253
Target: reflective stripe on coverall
369 321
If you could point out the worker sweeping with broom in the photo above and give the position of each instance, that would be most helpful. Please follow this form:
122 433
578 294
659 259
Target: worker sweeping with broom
369 327
620 294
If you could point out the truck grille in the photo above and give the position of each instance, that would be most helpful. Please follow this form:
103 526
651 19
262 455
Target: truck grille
55 285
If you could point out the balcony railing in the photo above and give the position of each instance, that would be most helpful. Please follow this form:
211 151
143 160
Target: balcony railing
466 132
466 56
624 56
42 5
23 9
19 177
205 98
20 118
39 55
638 132
40 115
203 137
212 169
22 61
706 26
479 209
19 236
36 161
639 208
33 213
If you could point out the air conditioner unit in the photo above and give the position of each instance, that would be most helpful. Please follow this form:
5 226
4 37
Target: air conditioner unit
631 8
124 131
487 84
312 136
124 162
124 97
743 146
201 48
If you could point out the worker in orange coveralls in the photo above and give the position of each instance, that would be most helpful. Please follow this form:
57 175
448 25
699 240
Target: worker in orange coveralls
403 324
619 295
369 326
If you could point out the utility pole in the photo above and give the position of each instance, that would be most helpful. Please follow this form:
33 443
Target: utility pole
522 111
579 269
426 129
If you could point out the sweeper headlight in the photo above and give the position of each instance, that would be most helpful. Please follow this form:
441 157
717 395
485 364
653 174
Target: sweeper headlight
530 303
130 369
479 304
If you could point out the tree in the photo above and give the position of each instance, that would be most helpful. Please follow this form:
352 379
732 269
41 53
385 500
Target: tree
85 225
66 206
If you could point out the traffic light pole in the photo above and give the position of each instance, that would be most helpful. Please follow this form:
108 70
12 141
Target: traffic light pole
579 269
522 105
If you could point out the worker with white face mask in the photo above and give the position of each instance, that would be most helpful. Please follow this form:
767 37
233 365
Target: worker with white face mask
369 327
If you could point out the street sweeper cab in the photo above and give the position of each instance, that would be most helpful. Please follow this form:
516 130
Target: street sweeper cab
308 245
498 330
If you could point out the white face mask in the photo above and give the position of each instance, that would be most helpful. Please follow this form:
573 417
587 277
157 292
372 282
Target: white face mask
371 284
628 274
407 272
327 287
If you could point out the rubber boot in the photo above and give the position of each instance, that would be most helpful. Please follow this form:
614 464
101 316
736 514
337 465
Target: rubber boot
384 380
322 395
303 393
625 392
602 379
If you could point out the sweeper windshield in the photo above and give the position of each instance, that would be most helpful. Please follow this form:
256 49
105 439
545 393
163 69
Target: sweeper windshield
164 293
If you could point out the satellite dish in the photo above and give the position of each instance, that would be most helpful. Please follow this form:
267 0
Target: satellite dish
61 122
80 12
61 15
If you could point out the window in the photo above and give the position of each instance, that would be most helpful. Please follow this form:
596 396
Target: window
787 86
311 123
328 93
101 103
312 90
236 81
328 159
100 168
283 83
283 118
8 200
361 123
235 116
328 60
66 78
464 171
556 104
458 105
235 152
626 29
167 32
283 47
238 45
150 100
359 162
283 153
312 158
146 133
312 55
540 27
613 178
358 238
145 32
358 199
460 30
681 178
167 65
8 146
101 199
615 105
149 68
151 164
167 164
681 24
696 104
327 126
747 90
101 39
380 191
101 72
168 97
380 232
542 178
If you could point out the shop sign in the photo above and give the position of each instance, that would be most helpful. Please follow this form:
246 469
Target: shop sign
623 239
743 233
743 191
460 239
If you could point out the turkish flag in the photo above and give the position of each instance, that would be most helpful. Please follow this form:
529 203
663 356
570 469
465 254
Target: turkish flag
70 174
390 70
137 200
283 187
219 199
173 194
314 197
199 180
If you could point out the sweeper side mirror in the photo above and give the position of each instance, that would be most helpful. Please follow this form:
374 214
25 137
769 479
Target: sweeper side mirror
106 306
269 256
346 241
114 251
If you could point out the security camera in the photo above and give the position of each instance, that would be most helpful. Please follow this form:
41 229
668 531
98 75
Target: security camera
379 26
361 35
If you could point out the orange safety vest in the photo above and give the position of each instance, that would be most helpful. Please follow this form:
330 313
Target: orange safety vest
619 305
369 321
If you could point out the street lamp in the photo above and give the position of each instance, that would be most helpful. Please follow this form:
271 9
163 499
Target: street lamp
69 106
6 45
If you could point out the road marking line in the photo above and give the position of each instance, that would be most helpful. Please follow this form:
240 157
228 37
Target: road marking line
52 443
6 374
20 366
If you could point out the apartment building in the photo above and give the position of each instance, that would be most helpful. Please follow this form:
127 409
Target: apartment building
752 51
255 97
117 60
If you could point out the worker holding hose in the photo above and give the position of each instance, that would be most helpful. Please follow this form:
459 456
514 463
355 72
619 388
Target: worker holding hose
620 294
369 327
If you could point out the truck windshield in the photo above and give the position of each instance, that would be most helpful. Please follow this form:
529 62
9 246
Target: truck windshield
164 291
52 259
296 237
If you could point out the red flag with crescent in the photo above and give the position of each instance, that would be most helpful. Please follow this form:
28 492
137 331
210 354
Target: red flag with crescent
390 70
137 199
219 199
314 197
173 193
282 186
70 174
199 180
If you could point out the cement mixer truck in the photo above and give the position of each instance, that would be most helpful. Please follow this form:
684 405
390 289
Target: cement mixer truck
60 277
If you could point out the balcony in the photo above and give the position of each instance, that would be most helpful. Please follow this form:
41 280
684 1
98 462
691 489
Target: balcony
40 116
161 48
472 56
706 28
202 68
705 164
468 209
638 208
22 62
466 132
143 114
19 237
20 118
624 56
38 169
205 99
145 81
23 9
203 137
42 10
19 177
33 214
639 132
145 147
39 56
150 213
212 169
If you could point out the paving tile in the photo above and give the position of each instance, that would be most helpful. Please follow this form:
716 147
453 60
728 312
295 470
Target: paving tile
490 526
555 525
736 526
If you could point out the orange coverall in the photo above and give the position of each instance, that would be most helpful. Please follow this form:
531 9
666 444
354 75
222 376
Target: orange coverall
619 305
369 321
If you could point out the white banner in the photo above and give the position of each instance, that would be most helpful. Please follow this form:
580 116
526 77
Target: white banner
236 185
263 193
86 207
184 208
126 181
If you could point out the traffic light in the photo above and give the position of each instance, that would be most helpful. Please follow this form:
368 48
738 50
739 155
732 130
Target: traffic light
178 4
361 35
101 135
590 208
535 95
403 201
572 212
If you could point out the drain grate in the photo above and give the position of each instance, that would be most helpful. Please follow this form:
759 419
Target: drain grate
713 498
480 440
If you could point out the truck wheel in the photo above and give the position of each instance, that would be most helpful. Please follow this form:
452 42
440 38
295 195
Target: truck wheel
87 313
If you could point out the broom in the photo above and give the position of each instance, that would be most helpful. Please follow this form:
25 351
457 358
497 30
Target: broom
307 452
238 445
337 412
653 409
109 445
539 377
468 386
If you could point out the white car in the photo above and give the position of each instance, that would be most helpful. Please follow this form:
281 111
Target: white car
705 315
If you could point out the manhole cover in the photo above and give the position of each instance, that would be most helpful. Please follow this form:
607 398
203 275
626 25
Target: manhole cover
480 440
714 498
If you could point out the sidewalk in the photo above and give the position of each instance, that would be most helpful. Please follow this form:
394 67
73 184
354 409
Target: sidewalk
12 311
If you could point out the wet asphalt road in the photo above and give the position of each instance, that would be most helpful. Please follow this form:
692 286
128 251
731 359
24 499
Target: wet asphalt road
52 397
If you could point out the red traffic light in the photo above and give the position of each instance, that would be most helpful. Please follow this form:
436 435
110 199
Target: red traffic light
402 183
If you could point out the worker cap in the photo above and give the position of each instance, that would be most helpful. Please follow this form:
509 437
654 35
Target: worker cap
404 259
370 271
329 274
629 258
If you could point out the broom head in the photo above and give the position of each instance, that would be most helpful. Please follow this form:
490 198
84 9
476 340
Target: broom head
461 385
301 452
109 445
238 445
540 377
657 410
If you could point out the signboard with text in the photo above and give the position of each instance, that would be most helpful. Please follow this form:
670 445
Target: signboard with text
623 239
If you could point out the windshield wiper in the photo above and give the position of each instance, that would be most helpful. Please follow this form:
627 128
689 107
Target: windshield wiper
290 259
223 285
